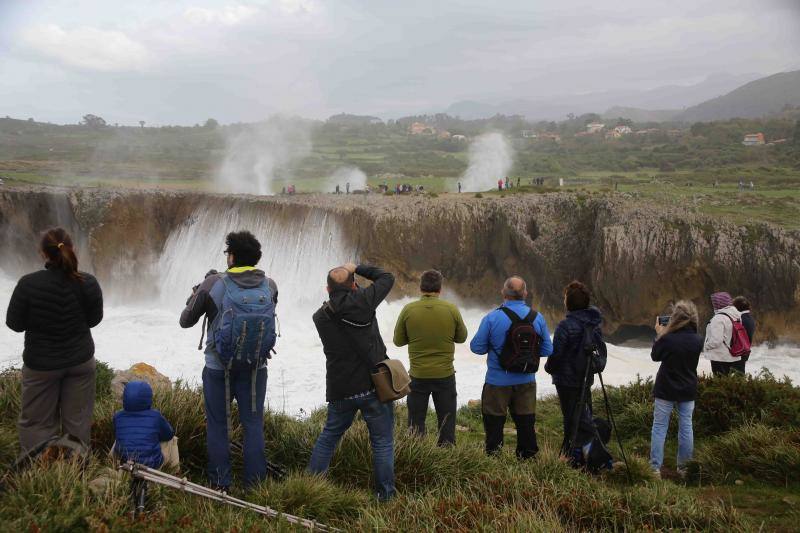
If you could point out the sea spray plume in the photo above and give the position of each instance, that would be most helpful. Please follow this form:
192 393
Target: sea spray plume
343 175
256 153
490 158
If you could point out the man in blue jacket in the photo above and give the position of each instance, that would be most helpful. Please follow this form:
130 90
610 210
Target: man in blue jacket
506 391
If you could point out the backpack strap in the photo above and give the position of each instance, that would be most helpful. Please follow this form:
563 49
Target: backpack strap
345 324
205 317
515 318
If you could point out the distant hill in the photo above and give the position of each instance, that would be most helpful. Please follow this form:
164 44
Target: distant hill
642 115
755 99
558 106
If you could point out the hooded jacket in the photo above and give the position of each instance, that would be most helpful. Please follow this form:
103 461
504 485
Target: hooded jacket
138 428
719 333
678 352
56 314
567 364
350 354
207 300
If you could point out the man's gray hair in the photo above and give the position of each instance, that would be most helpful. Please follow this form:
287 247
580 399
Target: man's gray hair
514 288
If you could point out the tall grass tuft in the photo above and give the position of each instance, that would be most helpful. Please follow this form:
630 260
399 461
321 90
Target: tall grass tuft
752 451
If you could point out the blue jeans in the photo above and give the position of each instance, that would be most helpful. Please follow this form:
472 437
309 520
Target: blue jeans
219 456
380 422
661 414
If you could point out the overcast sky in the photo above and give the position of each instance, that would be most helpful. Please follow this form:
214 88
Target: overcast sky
182 61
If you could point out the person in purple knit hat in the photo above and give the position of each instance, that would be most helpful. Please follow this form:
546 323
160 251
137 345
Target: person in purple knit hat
718 336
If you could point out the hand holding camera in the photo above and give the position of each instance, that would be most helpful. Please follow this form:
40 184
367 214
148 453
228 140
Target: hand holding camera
661 323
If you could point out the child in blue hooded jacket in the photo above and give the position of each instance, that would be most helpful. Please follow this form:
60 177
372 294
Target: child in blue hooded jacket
139 429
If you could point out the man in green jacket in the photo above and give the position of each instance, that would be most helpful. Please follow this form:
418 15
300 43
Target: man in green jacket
431 327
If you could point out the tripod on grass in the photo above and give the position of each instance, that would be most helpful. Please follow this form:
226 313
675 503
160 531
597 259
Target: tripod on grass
591 354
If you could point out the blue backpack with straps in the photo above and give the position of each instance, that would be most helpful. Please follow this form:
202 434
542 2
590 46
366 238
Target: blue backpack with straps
243 333
244 330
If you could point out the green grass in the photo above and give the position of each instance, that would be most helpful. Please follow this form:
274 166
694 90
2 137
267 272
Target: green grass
440 489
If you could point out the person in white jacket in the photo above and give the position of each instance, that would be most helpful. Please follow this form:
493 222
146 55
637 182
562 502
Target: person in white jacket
719 333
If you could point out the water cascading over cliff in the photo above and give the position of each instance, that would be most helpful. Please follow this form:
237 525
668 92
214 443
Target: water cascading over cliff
149 248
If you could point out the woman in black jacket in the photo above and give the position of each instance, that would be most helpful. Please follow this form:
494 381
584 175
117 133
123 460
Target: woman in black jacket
56 307
678 348
567 365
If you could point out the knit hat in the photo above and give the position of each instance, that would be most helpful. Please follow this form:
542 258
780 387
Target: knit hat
720 300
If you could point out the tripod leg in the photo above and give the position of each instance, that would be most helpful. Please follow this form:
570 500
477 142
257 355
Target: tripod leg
614 426
576 414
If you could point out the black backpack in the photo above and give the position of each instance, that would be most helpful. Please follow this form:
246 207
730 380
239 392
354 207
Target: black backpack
521 350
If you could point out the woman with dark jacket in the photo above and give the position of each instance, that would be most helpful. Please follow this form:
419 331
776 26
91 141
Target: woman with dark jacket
678 348
567 365
56 307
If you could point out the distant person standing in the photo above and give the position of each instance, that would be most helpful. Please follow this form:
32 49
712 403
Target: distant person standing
567 365
56 308
336 190
719 336
742 305
677 348
459 187
511 389
347 187
500 185
518 181
431 327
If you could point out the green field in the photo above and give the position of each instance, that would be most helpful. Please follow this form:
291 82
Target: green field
677 170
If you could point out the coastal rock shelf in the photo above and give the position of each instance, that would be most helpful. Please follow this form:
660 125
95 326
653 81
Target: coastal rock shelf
636 255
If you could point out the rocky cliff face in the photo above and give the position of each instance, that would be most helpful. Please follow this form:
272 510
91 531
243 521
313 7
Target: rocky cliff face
636 257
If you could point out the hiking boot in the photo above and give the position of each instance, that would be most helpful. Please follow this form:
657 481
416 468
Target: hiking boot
656 474
682 472
221 489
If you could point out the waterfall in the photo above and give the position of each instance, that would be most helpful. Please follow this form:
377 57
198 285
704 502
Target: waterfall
297 251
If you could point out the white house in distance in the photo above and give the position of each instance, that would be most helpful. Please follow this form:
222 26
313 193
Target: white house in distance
753 139
594 127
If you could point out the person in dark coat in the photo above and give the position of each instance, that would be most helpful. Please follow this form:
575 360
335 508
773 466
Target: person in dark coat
56 307
353 345
743 305
677 348
567 366
139 429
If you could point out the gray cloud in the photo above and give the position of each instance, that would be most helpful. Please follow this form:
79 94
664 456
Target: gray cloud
182 61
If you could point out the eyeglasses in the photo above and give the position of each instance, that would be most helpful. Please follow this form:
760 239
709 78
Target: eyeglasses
226 252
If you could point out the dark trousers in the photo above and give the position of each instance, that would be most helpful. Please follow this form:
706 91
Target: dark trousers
56 402
217 441
443 391
379 418
520 401
568 398
719 368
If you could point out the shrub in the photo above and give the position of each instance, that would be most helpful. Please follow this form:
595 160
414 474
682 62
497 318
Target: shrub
726 402
102 378
756 451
